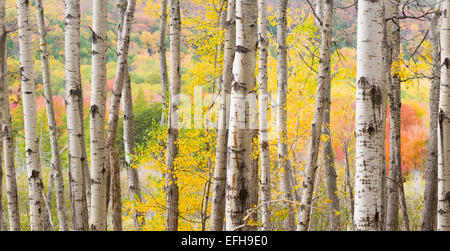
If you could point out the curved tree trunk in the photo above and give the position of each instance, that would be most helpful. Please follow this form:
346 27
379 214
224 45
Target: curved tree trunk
29 109
97 117
56 171
6 129
443 209
369 115
220 170
429 212
173 125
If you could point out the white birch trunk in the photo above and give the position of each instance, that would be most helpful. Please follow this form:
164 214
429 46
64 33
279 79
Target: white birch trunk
239 139
97 117
263 47
369 114
30 114
443 209
74 102
220 170
6 130
163 61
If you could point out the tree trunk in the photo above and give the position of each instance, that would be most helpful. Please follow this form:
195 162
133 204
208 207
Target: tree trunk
55 164
220 170
324 84
429 212
97 117
163 61
239 139
283 155
6 129
328 154
263 47
369 115
29 110
395 162
74 102
443 209
116 201
173 125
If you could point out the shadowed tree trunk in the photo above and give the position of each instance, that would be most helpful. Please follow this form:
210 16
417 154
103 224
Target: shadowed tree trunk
220 170
429 212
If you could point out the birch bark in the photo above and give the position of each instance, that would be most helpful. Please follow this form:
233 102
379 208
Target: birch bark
97 117
443 208
163 61
6 129
220 170
369 113
34 175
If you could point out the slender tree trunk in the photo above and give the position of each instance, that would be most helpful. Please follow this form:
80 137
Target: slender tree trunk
55 164
320 108
7 138
393 182
97 117
369 115
263 47
349 183
429 212
443 209
29 109
163 61
220 170
116 201
74 102
239 138
328 154
283 155
3 223
173 125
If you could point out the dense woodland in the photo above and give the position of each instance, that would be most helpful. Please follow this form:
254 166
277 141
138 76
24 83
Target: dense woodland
237 115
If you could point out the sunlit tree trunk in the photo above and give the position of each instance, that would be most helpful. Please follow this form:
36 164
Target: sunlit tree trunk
283 155
429 212
173 125
443 208
220 170
369 115
6 130
163 61
263 47
97 117
74 101
239 139
30 117
56 171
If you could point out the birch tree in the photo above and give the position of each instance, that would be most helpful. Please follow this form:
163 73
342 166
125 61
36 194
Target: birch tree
56 171
239 138
283 155
172 193
263 47
28 87
97 117
6 129
220 170
443 207
429 212
163 61
369 92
